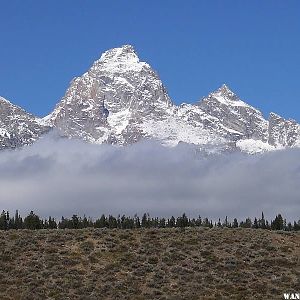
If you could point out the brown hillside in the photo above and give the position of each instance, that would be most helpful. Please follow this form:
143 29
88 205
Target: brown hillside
195 263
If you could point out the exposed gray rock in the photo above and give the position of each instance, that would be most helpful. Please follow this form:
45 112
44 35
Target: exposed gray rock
283 132
239 120
119 84
17 127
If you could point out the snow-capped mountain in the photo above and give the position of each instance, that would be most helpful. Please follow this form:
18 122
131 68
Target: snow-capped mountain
17 127
119 84
121 100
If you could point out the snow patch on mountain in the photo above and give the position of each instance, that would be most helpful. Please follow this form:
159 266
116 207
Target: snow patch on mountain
251 146
172 131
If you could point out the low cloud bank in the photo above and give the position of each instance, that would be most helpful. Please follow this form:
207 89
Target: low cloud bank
63 177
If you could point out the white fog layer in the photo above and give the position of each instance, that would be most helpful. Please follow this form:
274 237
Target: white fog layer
63 177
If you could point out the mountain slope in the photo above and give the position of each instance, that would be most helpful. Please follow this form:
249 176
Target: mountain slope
283 132
17 127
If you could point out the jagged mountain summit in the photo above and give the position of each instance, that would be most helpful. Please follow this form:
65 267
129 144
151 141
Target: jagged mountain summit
121 100
129 89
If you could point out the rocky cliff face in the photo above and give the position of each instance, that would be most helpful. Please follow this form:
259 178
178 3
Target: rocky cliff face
127 89
17 127
121 100
283 133
240 120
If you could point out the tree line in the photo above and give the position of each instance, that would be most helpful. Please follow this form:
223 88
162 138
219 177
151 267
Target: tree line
34 222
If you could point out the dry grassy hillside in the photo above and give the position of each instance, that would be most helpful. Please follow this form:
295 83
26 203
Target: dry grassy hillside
195 263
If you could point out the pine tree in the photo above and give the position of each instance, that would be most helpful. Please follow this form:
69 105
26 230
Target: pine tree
137 222
18 221
101 223
63 223
225 223
199 221
235 223
112 222
219 223
162 223
85 222
262 222
182 221
206 223
7 221
32 221
145 221
267 225
3 221
52 223
10 222
278 223
171 222
248 223
75 222
192 223
255 223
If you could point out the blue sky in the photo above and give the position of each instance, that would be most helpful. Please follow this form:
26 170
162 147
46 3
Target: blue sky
195 46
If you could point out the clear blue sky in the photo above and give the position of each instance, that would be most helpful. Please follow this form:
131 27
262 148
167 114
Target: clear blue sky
253 46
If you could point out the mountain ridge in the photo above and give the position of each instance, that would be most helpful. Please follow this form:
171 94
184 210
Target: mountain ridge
121 100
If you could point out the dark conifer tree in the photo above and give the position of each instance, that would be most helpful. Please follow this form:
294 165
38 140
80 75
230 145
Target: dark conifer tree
199 221
262 222
18 220
32 221
235 223
85 222
137 222
219 223
145 221
101 223
171 222
3 221
267 225
162 223
7 221
289 226
225 223
52 223
63 223
255 223
278 223
75 222
112 222
206 223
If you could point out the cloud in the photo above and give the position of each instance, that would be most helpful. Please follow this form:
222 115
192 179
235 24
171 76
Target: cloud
65 177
